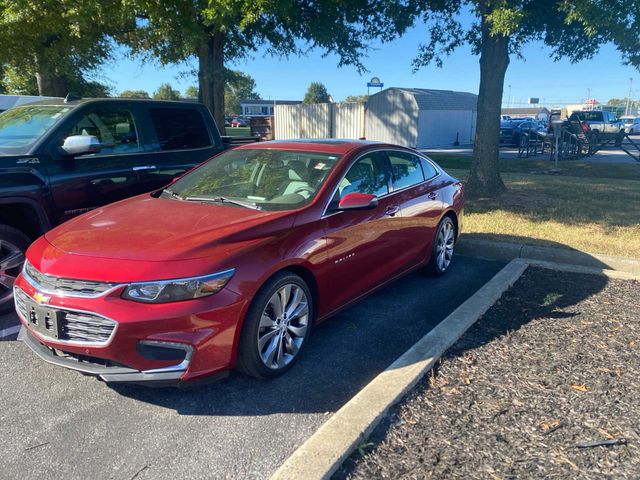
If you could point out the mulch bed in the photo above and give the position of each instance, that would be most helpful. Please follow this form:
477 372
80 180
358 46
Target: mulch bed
553 365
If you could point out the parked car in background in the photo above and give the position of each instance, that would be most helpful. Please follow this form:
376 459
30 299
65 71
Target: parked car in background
511 131
233 263
631 124
599 125
239 122
62 158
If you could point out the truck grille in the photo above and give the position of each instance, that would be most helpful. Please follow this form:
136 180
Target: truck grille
65 286
64 325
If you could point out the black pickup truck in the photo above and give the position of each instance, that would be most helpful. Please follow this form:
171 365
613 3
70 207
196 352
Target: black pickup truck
61 158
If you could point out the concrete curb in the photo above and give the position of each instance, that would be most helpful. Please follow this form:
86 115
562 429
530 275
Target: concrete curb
323 453
511 251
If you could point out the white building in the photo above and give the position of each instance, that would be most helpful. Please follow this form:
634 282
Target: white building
260 108
421 118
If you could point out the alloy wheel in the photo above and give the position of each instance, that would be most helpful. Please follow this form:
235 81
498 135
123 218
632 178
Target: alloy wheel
444 245
283 326
11 260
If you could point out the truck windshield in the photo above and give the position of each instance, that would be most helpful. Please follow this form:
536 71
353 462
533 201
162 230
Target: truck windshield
21 127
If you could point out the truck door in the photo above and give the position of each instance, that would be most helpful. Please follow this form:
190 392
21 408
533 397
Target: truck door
88 181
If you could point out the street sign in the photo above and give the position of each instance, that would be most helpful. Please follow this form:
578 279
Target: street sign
375 82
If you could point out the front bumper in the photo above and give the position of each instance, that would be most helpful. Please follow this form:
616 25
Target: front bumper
204 330
108 373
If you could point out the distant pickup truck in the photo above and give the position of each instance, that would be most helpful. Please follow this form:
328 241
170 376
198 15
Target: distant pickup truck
60 158
600 125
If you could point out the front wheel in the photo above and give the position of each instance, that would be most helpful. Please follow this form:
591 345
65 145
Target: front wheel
13 244
276 327
442 248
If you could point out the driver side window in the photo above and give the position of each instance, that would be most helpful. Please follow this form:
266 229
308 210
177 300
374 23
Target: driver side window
367 175
114 128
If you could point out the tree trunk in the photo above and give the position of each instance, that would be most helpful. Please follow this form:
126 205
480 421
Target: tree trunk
49 82
211 76
484 179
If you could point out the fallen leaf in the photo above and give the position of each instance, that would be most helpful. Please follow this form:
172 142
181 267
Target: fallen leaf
549 425
580 388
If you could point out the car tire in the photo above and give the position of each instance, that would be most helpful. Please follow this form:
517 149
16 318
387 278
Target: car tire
276 327
442 247
13 244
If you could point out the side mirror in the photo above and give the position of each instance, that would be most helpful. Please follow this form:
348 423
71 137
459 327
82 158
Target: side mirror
358 201
81 144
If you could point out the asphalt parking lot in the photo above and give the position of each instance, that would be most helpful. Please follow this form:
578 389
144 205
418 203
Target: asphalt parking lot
56 423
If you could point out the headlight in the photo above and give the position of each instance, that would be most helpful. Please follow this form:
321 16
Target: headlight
165 291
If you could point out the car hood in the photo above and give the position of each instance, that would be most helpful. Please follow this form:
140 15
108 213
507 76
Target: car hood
145 228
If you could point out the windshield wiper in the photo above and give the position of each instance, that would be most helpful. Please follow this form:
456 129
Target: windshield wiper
240 203
173 194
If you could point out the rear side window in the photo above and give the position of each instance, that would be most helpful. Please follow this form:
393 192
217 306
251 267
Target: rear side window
406 169
179 128
428 169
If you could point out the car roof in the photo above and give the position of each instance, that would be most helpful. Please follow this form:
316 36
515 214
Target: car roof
325 145
82 101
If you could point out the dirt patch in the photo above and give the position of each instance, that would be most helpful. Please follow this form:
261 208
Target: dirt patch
552 367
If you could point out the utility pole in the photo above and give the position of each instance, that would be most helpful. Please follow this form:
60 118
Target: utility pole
626 110
509 101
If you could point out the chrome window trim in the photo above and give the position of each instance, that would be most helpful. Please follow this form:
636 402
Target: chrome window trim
327 214
67 342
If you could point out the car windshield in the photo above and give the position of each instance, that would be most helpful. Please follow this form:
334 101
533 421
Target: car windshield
265 179
21 127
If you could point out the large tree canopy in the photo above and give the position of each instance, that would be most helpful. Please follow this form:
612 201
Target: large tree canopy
217 32
574 29
55 44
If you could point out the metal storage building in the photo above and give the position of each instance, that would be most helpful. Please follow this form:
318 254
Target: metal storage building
421 118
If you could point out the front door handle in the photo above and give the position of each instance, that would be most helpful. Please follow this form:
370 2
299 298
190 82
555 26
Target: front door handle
392 211
144 167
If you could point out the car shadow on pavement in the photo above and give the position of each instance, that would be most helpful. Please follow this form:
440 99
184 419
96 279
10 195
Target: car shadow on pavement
345 353
349 350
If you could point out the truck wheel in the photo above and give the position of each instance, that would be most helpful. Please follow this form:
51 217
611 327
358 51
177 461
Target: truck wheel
13 244
619 139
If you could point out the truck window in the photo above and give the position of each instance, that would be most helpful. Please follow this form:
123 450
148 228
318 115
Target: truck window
114 128
21 127
179 128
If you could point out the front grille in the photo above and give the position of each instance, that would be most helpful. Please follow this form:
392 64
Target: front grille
64 325
65 286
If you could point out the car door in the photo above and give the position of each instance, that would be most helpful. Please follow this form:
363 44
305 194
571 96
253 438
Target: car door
362 245
415 184
179 139
82 183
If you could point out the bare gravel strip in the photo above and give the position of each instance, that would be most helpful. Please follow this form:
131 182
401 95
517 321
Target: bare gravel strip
554 364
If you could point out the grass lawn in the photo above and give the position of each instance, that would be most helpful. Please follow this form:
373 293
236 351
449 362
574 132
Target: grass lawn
237 131
593 208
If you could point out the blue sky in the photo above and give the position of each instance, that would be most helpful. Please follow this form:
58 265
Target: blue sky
555 83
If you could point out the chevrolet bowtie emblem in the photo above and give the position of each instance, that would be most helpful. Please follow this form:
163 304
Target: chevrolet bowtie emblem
40 298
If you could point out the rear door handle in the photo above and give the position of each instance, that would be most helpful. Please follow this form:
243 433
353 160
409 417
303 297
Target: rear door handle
392 211
144 167
432 195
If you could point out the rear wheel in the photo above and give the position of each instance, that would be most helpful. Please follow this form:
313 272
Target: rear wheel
13 244
276 327
442 250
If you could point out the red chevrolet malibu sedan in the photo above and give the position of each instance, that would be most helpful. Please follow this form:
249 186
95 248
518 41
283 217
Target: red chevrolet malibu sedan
233 263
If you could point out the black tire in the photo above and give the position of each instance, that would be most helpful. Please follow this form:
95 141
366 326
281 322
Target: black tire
250 355
434 267
619 139
11 240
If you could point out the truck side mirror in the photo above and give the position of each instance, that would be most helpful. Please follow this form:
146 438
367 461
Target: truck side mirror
81 145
